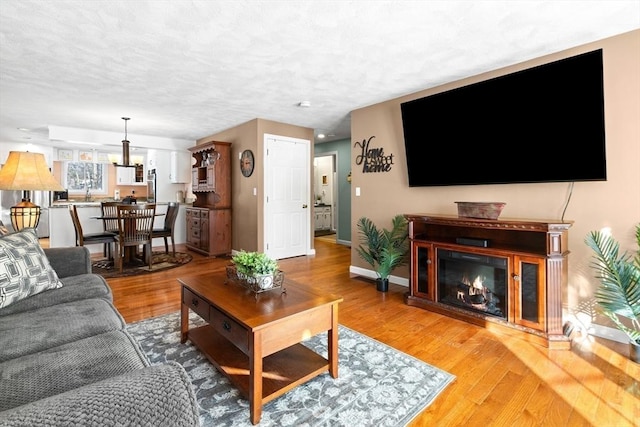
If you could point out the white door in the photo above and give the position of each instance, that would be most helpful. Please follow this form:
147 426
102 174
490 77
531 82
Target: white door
287 183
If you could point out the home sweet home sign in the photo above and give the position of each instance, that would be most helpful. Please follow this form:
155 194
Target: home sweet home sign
372 159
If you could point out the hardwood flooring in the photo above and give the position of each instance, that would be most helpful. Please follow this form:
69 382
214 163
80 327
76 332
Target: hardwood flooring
501 380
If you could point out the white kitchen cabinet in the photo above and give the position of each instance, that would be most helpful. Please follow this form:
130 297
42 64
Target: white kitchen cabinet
322 216
130 175
180 167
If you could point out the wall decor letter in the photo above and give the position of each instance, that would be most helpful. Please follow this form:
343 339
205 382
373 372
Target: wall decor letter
372 159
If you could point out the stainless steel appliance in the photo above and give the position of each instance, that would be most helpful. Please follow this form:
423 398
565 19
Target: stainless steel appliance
9 198
151 186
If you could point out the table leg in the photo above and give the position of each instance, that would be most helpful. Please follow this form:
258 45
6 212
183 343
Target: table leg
255 377
333 343
184 322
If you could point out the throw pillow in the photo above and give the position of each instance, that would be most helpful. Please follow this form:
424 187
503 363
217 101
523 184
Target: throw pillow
24 268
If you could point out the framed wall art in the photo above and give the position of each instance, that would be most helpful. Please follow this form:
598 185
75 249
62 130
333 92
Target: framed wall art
65 155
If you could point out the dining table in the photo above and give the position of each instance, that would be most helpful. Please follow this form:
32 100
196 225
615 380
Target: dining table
131 254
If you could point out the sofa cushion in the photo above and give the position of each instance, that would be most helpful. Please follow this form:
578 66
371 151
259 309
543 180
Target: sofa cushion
47 327
59 369
82 286
24 268
159 395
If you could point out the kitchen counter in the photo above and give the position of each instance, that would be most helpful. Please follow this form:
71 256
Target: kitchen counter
82 204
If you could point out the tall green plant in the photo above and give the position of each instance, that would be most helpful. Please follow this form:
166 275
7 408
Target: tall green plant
619 275
384 249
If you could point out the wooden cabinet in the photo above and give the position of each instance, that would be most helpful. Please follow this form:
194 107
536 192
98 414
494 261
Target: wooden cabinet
504 273
209 220
209 230
211 174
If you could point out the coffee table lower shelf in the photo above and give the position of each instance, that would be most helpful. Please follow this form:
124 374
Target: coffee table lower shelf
281 371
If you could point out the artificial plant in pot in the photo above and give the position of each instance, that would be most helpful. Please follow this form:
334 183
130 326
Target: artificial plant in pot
383 249
619 293
253 266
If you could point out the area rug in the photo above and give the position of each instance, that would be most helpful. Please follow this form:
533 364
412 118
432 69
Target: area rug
161 261
376 386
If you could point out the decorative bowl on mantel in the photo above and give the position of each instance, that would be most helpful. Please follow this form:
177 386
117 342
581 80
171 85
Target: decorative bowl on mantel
480 210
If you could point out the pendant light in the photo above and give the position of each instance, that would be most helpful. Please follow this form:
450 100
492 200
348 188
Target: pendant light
125 147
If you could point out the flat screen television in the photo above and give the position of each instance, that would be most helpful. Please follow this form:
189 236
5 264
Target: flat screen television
542 124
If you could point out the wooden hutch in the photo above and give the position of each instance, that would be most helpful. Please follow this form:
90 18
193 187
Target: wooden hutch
209 220
522 262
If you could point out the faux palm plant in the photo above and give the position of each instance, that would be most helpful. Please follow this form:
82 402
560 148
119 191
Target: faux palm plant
619 275
383 249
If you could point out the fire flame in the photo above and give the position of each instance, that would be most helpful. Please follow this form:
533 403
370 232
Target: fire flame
476 287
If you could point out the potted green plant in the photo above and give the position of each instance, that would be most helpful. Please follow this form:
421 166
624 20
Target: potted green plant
255 268
383 249
619 293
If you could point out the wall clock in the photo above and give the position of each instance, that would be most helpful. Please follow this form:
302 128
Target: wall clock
247 163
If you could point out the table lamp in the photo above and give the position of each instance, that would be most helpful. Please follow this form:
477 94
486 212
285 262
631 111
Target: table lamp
26 172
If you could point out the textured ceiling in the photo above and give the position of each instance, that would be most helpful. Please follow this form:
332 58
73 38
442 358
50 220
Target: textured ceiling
188 69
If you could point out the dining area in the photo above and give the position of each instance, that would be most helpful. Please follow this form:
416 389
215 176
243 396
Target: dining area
120 234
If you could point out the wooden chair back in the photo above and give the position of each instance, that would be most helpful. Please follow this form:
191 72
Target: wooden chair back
170 217
135 224
110 210
73 211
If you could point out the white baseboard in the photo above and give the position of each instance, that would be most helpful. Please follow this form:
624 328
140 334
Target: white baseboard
358 271
596 330
608 333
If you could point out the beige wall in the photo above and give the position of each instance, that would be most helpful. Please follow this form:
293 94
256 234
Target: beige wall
248 210
593 205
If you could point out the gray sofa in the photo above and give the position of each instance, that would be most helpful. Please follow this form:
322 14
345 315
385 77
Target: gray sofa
66 357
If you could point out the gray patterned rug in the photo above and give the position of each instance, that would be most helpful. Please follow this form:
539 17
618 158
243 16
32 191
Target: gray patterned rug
377 385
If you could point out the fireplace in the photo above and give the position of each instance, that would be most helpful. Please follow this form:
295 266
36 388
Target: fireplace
471 281
503 274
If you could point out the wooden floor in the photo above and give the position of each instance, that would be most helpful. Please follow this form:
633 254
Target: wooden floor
501 381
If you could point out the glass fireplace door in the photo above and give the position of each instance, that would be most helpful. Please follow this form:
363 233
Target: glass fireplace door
473 281
529 278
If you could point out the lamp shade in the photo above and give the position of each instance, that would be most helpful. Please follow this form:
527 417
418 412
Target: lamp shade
27 172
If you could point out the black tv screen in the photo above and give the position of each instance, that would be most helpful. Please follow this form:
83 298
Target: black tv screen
542 124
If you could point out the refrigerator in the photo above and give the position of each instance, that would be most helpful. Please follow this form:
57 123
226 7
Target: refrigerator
9 198
151 186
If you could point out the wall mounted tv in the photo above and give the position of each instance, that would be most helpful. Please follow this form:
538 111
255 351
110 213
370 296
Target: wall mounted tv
542 124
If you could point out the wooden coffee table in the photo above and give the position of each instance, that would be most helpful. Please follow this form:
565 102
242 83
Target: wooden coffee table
255 339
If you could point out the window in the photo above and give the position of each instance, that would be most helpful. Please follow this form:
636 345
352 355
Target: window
83 177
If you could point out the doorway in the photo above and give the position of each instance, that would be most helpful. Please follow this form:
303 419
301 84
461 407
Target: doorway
287 226
325 187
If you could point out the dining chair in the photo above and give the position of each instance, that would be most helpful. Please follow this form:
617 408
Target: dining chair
169 225
104 238
135 227
109 220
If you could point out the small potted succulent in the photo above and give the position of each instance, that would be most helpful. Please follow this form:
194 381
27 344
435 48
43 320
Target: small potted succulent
255 267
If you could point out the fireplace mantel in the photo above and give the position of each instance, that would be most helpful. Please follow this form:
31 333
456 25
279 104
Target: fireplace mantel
534 253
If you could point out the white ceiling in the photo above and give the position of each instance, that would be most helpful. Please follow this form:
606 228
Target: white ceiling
188 69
